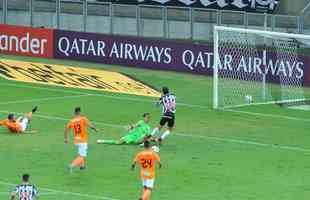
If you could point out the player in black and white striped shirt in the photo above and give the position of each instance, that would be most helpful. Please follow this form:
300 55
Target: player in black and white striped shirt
25 191
168 103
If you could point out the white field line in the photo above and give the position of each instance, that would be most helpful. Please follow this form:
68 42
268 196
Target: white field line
143 100
248 142
64 192
229 140
206 108
44 99
40 194
268 115
100 95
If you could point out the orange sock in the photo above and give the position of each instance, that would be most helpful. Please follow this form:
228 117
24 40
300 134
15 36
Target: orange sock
77 161
82 164
146 195
149 192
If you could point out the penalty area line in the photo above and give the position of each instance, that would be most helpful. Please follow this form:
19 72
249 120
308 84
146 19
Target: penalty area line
230 140
53 191
44 99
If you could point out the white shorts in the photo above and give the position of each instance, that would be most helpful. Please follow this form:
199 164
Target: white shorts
23 121
149 183
82 149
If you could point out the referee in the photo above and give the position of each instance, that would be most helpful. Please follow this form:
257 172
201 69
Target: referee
25 191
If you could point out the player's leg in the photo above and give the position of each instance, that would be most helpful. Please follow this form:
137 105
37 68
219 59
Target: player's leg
29 114
148 185
109 142
83 153
168 131
80 160
162 123
148 193
24 121
127 139
124 140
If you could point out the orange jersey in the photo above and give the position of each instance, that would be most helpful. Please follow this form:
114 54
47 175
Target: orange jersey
79 126
14 127
147 159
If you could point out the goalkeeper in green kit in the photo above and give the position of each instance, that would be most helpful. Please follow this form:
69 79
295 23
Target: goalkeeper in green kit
137 134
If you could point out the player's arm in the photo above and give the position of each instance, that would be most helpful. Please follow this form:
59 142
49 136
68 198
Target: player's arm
35 193
13 195
92 126
159 102
67 135
133 165
67 130
1 122
132 126
158 160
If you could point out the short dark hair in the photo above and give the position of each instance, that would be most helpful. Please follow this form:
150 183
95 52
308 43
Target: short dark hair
165 90
25 177
147 144
145 114
11 116
77 110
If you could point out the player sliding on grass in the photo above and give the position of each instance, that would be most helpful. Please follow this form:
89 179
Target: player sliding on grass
147 159
137 134
79 124
168 102
20 124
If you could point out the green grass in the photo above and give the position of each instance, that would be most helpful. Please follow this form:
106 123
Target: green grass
255 153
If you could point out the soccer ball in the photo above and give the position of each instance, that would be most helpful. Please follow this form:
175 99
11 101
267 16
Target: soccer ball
155 149
248 99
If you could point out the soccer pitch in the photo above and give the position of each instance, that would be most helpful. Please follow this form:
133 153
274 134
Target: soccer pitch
252 153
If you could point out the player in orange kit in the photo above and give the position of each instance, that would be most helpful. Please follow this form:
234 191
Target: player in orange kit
18 125
79 124
147 159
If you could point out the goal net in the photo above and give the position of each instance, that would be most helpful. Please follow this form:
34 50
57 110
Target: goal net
258 67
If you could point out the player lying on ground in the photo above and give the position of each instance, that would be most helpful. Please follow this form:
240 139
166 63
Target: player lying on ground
147 159
20 124
137 134
79 124
168 103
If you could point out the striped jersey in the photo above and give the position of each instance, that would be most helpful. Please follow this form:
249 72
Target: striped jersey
168 103
26 191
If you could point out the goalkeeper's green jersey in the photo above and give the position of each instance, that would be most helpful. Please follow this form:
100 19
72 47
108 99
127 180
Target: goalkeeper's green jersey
141 130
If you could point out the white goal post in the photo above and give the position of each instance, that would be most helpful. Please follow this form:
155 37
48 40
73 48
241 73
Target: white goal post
258 67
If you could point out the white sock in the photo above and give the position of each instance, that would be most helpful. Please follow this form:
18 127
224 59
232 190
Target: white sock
100 141
154 131
165 134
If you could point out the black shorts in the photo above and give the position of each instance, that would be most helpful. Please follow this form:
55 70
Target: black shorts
170 119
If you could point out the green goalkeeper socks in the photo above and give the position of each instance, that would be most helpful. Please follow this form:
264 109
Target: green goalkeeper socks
110 142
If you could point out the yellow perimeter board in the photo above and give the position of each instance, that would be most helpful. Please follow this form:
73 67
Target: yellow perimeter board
73 77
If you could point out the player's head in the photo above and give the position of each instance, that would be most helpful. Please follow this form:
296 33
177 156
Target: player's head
147 144
146 117
25 177
165 90
11 117
77 111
